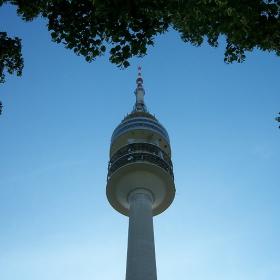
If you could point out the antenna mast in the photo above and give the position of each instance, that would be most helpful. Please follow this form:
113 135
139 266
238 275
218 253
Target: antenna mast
139 93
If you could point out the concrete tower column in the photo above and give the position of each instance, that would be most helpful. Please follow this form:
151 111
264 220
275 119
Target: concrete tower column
141 261
140 182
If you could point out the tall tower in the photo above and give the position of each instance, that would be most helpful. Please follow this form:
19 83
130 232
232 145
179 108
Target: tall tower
140 182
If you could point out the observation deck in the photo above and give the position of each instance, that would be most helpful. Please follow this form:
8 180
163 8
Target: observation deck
140 153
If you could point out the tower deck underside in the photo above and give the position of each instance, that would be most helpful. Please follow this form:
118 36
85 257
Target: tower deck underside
140 175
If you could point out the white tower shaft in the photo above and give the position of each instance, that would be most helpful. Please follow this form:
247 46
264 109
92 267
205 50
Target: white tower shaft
141 261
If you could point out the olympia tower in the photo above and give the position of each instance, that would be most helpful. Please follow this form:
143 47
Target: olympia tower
140 182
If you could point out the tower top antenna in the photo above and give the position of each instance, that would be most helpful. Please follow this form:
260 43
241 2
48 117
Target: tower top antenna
139 93
139 80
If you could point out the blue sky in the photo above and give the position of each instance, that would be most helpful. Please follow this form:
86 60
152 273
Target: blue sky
55 221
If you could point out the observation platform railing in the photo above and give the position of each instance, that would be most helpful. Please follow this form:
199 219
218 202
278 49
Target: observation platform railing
140 152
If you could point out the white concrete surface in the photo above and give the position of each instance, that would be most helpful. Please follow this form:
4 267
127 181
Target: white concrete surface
141 261
140 175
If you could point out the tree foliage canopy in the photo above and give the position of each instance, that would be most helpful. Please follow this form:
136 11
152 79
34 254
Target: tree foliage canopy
10 56
127 27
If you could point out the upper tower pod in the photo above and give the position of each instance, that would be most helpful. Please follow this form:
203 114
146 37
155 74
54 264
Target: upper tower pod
139 121
140 158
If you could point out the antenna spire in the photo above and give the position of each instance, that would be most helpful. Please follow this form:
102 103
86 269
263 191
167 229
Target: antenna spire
139 80
139 93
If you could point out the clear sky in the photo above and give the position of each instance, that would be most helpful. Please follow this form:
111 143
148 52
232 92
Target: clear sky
55 221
